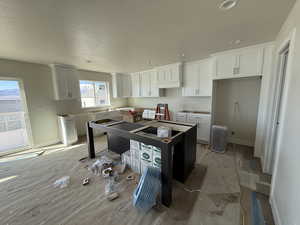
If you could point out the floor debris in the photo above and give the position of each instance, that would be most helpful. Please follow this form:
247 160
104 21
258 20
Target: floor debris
62 182
107 172
113 196
86 181
130 177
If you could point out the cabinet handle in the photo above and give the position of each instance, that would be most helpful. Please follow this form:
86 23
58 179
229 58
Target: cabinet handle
236 70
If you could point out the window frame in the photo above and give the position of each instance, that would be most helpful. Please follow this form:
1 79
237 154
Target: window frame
107 93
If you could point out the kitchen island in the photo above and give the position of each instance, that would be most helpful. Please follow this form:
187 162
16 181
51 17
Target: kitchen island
178 153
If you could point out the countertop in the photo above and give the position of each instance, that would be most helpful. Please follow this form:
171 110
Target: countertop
192 111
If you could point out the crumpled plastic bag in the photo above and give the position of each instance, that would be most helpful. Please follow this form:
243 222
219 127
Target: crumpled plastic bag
97 166
62 182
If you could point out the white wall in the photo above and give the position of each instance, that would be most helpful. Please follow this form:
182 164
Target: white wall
285 195
42 108
175 100
242 118
74 106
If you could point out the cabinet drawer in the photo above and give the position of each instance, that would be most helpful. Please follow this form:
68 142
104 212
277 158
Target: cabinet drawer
201 118
181 117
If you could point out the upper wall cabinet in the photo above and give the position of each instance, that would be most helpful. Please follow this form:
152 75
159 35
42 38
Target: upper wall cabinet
65 82
197 78
121 85
169 76
136 85
144 84
239 63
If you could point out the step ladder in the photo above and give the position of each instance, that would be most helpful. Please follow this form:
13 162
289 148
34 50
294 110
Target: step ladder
162 112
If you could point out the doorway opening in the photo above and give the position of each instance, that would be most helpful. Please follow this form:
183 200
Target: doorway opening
14 126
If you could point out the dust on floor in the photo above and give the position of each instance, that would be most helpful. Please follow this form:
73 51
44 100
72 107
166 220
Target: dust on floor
28 197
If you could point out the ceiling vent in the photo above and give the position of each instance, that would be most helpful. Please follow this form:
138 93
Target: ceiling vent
228 4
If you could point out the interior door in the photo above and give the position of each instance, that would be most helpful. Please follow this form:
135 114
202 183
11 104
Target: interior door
281 86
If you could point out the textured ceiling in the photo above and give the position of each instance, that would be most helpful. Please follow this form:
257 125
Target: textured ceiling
128 35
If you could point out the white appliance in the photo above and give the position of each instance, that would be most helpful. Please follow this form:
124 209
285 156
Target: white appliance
67 128
219 138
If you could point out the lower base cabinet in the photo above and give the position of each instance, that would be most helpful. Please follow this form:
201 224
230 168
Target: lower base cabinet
202 120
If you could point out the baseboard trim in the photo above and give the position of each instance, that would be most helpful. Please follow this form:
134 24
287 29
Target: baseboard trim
275 211
240 141
53 142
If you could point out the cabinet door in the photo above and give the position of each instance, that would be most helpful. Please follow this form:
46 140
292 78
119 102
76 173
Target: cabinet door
126 85
250 62
181 117
145 84
135 82
60 82
154 90
225 65
117 85
169 76
205 74
161 75
73 84
174 73
203 132
60 86
203 125
191 79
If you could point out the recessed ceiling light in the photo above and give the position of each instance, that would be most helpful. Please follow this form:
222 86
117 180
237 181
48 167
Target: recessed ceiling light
227 4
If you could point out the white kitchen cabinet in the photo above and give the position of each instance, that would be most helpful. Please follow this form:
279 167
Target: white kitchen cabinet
250 62
154 90
181 117
203 122
169 76
244 62
65 82
225 65
144 84
136 84
121 85
197 78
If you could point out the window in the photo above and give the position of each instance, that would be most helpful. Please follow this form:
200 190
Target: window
94 93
